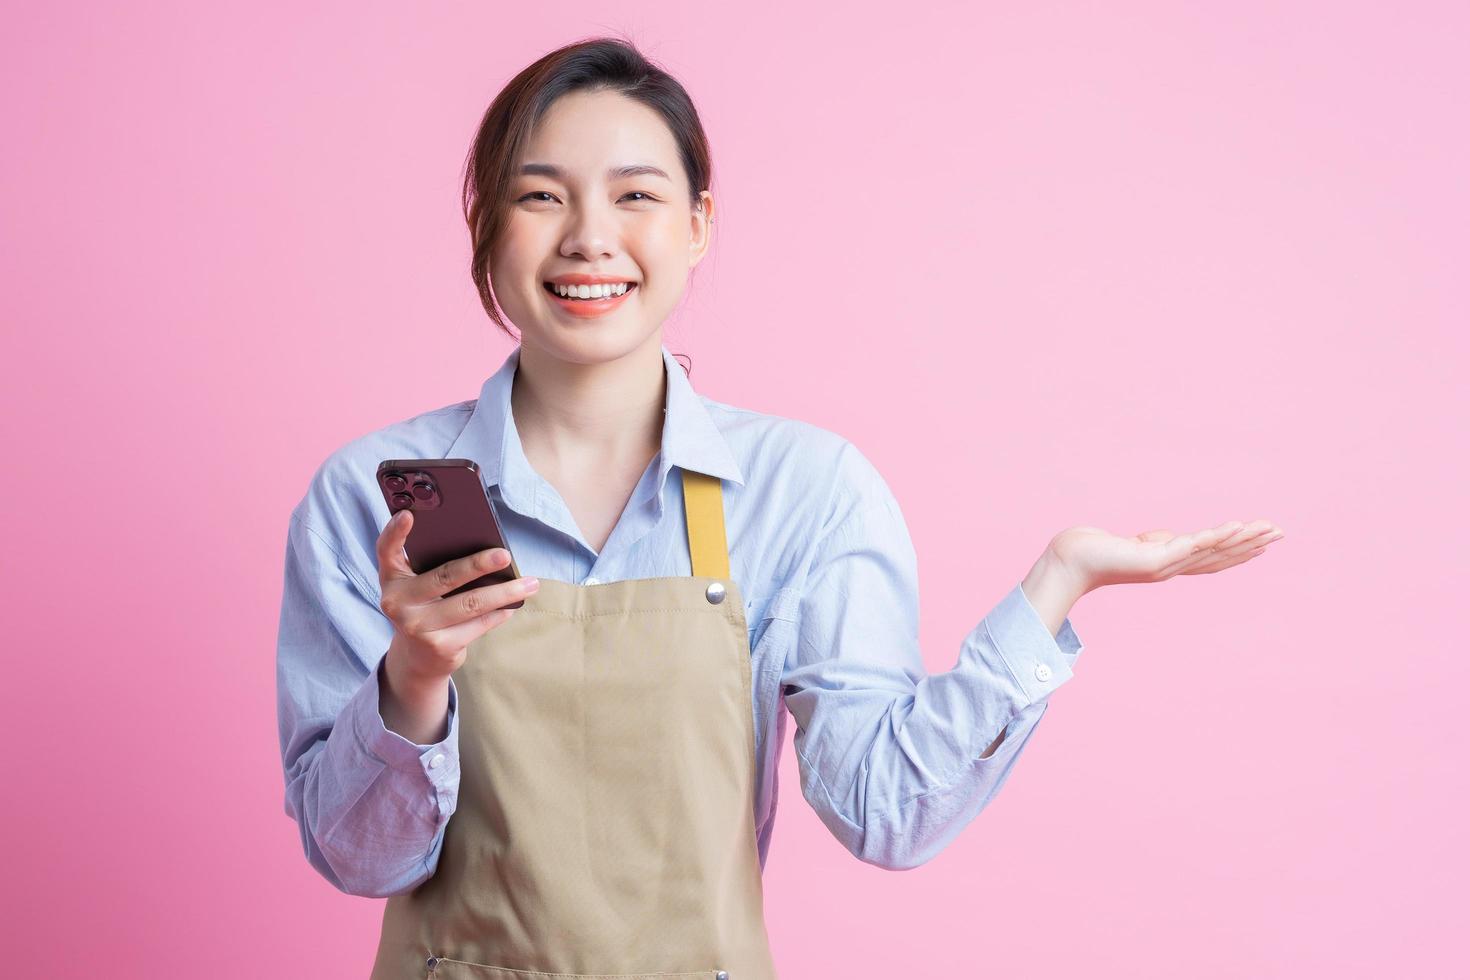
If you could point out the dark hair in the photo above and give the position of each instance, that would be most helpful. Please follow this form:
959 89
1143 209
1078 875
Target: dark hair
600 64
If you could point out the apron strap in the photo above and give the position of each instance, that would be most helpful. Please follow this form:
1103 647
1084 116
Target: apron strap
704 516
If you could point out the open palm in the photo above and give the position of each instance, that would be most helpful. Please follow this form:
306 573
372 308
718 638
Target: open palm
1097 557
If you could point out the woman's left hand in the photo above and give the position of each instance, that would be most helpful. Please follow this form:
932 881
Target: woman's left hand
1095 557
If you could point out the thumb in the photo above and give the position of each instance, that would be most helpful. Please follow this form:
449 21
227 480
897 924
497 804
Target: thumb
392 561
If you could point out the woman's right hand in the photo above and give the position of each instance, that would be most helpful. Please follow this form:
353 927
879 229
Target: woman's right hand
431 631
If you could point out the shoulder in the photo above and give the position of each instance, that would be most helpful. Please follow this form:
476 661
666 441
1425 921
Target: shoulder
816 472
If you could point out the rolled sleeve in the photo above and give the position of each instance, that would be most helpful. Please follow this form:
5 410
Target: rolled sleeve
438 763
1013 637
371 806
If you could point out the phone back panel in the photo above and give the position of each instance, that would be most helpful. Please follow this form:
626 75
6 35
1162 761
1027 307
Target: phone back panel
452 515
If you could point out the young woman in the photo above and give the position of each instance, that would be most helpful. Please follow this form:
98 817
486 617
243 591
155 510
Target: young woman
586 785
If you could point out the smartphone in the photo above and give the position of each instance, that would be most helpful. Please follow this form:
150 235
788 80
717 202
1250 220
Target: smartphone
453 515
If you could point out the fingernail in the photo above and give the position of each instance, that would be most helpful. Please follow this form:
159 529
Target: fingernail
531 585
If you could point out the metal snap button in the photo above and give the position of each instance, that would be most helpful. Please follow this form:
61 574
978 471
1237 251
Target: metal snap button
721 975
715 593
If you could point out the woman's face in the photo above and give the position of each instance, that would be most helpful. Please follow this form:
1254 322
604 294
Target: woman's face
571 214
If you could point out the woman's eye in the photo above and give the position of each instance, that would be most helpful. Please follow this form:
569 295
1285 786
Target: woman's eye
534 194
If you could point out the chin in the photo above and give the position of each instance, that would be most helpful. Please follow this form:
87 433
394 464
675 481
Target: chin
591 342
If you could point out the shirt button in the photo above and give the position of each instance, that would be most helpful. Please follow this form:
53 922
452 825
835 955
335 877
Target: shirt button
589 580
1043 672
437 761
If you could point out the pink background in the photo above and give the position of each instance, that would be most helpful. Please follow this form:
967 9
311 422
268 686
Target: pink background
1127 265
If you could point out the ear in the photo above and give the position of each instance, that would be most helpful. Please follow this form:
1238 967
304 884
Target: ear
701 221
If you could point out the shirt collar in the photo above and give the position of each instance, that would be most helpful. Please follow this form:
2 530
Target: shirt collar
690 437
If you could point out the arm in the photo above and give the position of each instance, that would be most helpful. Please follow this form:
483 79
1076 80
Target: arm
897 763
1050 592
371 805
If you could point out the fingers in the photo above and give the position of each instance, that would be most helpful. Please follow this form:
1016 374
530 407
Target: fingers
1181 549
1241 545
472 606
462 635
1230 537
1243 536
393 564
449 576
1213 537
403 589
1220 564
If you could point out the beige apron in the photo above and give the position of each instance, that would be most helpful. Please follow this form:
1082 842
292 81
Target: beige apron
605 825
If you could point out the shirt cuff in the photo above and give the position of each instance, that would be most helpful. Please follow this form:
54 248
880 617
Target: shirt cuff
439 762
1039 662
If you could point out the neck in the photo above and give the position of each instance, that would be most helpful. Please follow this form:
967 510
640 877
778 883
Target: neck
567 412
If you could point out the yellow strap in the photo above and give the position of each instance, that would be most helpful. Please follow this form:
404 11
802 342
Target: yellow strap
704 515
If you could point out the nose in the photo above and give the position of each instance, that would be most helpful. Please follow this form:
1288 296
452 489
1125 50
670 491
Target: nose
592 234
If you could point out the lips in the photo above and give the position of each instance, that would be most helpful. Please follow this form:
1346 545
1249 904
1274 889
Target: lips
585 308
551 287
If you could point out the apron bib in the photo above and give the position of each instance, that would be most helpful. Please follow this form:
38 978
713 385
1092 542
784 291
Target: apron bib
605 822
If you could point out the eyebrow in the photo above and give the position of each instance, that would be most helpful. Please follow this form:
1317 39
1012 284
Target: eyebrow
613 173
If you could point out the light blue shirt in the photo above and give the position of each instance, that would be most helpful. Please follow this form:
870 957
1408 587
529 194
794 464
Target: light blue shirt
889 755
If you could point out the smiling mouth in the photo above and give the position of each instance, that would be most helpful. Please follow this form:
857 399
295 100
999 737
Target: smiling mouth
591 299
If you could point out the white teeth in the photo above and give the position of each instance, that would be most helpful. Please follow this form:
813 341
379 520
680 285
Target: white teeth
600 291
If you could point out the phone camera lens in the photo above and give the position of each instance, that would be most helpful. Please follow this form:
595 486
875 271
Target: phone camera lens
400 501
423 491
395 482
